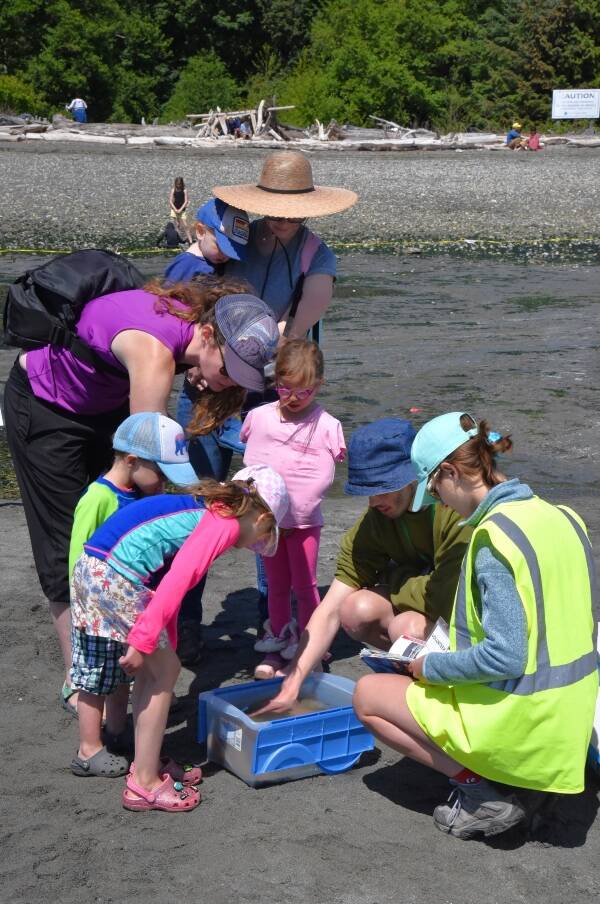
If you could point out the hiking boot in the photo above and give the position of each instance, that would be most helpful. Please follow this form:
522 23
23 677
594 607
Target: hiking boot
477 809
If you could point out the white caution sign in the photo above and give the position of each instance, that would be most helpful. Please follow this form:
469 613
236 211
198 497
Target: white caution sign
576 103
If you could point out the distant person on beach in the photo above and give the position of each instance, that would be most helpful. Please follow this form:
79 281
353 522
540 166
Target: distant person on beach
513 138
398 565
61 412
513 700
78 109
305 443
178 202
128 585
534 142
149 448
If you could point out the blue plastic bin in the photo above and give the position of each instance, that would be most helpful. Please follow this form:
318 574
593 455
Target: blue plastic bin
294 747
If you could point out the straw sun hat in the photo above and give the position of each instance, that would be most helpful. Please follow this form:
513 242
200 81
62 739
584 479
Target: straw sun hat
286 189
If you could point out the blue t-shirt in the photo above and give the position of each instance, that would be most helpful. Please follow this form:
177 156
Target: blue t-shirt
512 134
274 277
185 266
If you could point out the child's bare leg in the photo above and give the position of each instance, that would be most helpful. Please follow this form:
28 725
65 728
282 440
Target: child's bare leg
380 704
116 710
152 693
89 709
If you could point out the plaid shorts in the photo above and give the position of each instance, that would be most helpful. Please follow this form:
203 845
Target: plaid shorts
96 666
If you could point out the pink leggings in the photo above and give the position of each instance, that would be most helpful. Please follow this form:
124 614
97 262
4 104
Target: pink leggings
293 567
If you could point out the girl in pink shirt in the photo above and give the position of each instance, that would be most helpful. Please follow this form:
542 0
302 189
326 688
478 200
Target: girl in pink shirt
302 442
121 592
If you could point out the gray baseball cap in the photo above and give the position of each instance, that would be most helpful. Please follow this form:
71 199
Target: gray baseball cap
251 335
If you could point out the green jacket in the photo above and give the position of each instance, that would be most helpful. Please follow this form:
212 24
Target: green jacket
417 555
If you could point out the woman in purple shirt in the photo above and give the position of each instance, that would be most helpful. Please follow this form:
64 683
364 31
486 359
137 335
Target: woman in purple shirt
61 412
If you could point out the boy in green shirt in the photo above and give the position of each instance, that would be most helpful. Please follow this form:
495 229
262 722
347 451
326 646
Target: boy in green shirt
397 570
142 445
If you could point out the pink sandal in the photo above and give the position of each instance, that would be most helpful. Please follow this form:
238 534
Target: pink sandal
186 774
271 667
170 796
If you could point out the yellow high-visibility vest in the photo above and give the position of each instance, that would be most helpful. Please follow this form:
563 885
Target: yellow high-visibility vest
533 731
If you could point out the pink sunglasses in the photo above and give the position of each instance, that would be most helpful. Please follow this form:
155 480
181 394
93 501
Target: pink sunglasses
301 394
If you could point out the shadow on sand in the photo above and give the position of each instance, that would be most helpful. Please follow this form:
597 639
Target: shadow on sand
557 820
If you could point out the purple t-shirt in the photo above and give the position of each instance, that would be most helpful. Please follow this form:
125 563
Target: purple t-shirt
58 376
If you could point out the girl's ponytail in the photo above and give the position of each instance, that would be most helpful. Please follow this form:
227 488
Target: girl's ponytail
477 457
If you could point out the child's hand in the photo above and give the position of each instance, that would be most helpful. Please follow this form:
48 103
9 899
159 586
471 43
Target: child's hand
132 661
415 668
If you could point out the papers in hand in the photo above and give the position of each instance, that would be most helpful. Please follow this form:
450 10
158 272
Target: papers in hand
406 649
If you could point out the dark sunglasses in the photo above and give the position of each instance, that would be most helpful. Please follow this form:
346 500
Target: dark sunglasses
223 369
298 220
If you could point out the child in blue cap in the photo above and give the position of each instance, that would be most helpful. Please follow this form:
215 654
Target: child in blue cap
221 235
513 701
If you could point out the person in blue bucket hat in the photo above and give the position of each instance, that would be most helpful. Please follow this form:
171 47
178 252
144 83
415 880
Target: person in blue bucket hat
397 570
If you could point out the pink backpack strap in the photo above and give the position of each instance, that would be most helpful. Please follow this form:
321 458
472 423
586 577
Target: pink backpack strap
310 248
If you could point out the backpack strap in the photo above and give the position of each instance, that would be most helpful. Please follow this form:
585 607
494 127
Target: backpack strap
312 243
64 338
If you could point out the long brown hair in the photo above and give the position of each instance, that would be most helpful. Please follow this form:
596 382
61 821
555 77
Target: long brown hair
195 302
477 457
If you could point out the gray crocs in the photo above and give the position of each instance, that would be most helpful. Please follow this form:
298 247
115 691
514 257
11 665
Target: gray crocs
102 765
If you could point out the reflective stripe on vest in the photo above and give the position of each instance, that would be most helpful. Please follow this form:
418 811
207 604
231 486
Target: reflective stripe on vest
546 676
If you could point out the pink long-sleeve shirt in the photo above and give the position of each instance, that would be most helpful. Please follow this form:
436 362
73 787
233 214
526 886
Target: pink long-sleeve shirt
212 537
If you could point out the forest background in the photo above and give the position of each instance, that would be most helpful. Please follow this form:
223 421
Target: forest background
449 65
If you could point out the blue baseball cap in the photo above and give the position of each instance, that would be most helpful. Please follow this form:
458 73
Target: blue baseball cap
230 225
157 438
433 443
379 458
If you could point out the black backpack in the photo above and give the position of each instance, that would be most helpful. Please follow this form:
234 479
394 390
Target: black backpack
43 305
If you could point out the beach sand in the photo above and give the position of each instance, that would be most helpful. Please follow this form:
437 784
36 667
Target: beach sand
515 343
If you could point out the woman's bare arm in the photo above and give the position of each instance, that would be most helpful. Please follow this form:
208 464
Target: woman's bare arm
316 297
151 369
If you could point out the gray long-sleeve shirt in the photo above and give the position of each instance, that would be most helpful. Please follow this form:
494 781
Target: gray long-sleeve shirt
502 654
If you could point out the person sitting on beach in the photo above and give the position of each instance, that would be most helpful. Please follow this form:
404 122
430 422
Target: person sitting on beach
221 235
513 138
78 108
149 447
178 203
306 442
121 593
534 142
397 568
513 701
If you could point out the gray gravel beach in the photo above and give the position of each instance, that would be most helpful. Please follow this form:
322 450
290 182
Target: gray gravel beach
511 339
61 196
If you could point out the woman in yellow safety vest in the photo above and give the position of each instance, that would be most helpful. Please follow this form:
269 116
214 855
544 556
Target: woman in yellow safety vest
513 701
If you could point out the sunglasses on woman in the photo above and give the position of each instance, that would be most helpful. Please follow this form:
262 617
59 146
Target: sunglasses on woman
284 393
223 369
430 486
298 220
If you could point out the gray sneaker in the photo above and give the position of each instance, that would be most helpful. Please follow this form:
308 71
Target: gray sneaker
478 808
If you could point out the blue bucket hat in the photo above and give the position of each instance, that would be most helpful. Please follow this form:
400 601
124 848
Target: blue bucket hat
433 443
379 458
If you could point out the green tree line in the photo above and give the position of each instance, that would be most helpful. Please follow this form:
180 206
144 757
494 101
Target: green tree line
446 63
